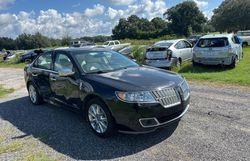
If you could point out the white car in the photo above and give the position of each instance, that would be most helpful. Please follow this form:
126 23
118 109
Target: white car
218 49
245 37
114 45
169 53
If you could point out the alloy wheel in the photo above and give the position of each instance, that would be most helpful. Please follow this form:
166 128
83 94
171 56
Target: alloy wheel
32 93
97 118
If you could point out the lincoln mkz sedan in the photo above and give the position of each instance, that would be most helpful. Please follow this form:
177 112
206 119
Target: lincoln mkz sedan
112 92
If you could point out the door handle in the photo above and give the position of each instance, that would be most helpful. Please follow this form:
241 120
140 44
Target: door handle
34 74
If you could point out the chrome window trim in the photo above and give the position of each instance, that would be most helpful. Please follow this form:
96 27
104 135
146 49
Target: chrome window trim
47 70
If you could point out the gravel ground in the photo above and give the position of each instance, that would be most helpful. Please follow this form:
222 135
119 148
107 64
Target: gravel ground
215 128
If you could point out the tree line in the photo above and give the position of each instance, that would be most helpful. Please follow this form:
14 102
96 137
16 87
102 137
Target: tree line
28 41
186 19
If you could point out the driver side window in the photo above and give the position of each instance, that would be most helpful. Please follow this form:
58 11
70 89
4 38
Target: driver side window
63 63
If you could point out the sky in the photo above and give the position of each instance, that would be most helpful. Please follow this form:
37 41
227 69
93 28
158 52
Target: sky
78 18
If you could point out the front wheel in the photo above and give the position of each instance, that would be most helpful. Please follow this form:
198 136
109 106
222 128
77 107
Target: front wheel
34 95
99 118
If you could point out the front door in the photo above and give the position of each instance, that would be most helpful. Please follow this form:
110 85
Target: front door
41 69
65 89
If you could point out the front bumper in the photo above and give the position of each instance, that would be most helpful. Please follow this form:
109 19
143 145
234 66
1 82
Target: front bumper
129 117
161 63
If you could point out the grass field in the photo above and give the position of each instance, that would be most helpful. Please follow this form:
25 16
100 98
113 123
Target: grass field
4 91
239 76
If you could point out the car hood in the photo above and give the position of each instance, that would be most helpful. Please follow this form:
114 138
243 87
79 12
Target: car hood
138 78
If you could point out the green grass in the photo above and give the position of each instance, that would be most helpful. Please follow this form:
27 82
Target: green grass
12 65
237 76
11 147
4 91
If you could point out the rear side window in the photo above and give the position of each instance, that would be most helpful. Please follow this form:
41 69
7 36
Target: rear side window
44 61
213 42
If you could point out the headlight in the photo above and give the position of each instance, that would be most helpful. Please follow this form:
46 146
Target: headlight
185 90
136 97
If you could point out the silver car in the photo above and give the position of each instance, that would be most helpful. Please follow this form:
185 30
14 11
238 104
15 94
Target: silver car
168 53
219 49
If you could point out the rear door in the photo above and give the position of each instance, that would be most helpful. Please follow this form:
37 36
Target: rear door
41 69
181 50
188 51
65 89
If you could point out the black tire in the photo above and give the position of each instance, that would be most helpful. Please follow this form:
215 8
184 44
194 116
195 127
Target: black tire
37 100
111 126
234 62
178 64
244 44
194 63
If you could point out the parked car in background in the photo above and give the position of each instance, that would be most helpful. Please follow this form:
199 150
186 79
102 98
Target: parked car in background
128 51
193 39
83 44
31 55
115 45
219 49
245 37
113 92
169 53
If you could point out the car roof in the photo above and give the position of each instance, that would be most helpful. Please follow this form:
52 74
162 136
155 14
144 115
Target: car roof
216 36
94 49
169 41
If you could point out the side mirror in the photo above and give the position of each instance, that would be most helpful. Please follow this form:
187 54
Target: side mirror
66 73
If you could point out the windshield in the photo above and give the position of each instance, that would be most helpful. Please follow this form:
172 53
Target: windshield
213 42
106 43
102 61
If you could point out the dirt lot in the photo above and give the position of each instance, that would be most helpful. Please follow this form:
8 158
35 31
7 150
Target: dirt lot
215 128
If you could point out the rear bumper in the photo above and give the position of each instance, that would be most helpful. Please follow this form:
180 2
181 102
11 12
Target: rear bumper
161 63
213 61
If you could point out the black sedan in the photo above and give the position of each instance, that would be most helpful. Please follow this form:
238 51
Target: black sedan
112 92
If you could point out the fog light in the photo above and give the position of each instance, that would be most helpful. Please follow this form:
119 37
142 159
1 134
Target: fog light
149 122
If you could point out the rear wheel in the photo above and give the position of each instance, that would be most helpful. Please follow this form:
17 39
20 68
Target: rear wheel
234 62
99 118
245 44
34 95
178 64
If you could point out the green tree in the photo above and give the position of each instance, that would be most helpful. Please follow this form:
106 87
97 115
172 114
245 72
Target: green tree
232 15
139 28
183 16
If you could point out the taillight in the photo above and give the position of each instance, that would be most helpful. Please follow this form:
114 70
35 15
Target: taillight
230 49
169 54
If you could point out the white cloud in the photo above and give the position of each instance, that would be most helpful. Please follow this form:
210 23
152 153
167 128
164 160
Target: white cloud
201 4
97 10
54 24
6 3
121 2
146 9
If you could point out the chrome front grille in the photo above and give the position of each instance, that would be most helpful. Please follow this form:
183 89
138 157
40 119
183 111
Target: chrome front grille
167 97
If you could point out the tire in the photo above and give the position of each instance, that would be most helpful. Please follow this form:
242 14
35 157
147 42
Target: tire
34 95
234 62
178 64
99 118
194 63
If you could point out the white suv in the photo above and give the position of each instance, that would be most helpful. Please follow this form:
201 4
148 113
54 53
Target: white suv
245 37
